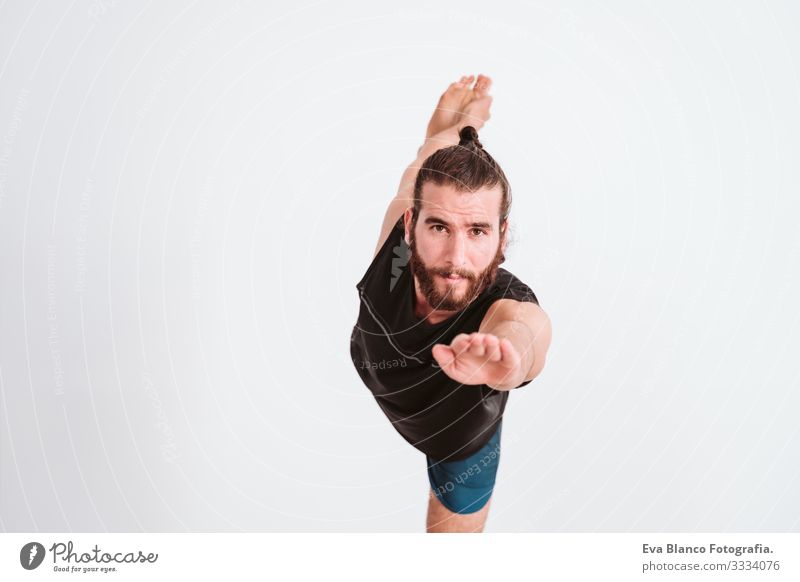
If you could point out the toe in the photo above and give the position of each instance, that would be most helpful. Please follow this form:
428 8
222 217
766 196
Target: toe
482 84
460 85
456 90
478 83
452 92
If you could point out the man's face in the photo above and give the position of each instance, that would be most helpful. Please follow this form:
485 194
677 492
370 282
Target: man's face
456 245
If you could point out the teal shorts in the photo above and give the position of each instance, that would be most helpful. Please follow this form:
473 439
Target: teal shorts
465 486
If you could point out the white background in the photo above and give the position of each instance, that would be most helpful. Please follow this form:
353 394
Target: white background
189 193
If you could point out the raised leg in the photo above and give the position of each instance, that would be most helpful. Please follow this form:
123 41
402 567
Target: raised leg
460 105
458 101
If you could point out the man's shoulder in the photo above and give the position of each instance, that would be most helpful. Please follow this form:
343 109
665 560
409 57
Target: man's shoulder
390 261
508 286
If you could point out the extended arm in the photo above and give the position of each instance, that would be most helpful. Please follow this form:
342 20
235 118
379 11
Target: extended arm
529 330
509 348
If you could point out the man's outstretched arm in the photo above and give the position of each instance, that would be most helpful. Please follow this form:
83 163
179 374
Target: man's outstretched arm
509 348
528 328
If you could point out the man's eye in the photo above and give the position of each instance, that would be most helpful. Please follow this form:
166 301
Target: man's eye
478 232
435 226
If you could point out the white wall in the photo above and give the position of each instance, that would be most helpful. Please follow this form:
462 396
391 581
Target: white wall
190 193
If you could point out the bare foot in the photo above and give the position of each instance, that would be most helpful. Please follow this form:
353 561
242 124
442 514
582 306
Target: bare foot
462 102
476 111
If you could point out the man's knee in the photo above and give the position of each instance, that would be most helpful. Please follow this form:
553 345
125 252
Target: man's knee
440 519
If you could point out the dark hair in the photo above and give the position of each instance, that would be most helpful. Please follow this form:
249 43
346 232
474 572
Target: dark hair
466 167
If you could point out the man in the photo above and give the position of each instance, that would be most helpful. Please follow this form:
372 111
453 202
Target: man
443 333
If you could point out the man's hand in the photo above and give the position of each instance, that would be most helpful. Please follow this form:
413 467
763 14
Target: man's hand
480 358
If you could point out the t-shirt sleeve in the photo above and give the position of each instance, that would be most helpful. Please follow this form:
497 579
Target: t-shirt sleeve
523 384
508 286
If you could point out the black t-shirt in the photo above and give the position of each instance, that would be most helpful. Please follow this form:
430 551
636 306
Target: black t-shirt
391 349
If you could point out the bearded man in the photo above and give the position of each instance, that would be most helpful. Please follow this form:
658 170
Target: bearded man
435 298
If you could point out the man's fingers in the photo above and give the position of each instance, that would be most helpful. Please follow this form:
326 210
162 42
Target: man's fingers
478 345
509 354
460 343
443 354
493 349
482 345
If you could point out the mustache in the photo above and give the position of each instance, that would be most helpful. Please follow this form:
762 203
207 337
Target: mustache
459 272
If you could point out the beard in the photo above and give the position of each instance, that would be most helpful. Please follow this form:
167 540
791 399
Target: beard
451 299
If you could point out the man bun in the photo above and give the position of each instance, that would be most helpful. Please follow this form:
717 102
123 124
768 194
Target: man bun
469 135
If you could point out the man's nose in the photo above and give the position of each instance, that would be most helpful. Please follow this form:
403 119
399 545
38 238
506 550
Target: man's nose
457 250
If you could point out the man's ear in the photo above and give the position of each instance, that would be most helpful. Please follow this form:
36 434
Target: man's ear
504 235
407 216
